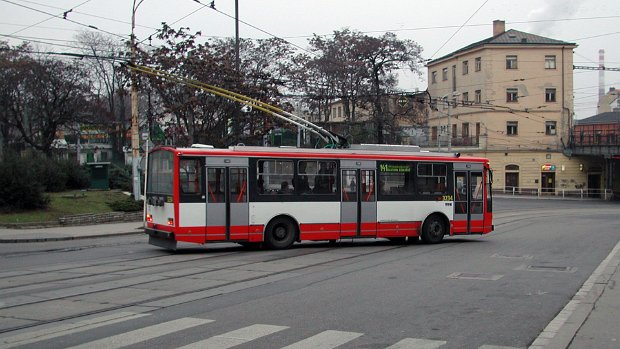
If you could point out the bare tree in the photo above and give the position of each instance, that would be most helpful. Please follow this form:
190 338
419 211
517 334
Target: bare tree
382 57
198 116
10 90
41 96
109 82
361 71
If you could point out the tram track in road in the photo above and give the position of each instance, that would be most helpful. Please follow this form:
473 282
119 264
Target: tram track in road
177 294
169 262
66 249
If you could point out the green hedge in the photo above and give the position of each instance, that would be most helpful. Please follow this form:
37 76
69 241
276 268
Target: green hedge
24 180
127 205
21 188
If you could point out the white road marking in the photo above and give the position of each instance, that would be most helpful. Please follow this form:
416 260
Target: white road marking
143 334
325 340
417 343
236 337
67 329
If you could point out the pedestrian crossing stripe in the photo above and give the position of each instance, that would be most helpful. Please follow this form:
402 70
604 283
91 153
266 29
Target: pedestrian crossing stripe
236 337
67 329
417 343
325 340
143 334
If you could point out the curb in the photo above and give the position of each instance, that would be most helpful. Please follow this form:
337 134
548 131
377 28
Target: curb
80 220
66 238
561 331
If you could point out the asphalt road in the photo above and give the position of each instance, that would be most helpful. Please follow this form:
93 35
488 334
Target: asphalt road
488 291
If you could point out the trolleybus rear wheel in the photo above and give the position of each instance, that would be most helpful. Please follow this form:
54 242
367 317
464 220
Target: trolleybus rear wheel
433 230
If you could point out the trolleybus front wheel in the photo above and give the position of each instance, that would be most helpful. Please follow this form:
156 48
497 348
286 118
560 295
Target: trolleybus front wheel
433 230
281 233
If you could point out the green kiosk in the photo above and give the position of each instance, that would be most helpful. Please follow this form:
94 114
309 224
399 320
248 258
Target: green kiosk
99 175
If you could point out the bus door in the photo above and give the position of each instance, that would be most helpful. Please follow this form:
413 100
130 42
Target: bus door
358 208
227 199
469 192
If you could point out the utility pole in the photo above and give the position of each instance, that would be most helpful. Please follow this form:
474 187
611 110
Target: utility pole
237 62
449 130
135 138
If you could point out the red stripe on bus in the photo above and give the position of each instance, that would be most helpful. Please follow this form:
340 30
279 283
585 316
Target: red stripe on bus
396 229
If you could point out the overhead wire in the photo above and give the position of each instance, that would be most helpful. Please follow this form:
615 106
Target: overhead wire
66 19
459 28
84 13
47 19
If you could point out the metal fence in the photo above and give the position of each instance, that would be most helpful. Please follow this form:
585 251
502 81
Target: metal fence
601 194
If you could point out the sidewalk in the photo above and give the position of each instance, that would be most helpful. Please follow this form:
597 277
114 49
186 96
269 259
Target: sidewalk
589 320
69 232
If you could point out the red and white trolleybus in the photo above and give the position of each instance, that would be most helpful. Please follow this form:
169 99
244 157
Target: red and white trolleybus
279 196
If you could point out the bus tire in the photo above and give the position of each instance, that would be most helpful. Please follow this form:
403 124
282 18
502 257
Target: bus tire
280 233
433 230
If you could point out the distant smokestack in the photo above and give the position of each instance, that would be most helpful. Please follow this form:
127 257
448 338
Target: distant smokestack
601 73
499 27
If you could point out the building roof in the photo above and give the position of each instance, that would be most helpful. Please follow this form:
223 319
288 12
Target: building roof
510 37
602 118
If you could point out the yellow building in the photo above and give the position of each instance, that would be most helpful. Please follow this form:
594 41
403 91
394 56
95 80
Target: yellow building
510 98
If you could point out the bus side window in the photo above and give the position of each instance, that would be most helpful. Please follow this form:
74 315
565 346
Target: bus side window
325 180
271 174
190 176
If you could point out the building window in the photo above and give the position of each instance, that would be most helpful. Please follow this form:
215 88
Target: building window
434 77
549 95
549 62
550 128
465 67
512 128
444 74
478 96
512 95
434 133
511 62
478 63
454 130
465 97
444 103
465 130
339 112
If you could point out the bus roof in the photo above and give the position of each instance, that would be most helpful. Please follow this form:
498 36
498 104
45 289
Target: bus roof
381 152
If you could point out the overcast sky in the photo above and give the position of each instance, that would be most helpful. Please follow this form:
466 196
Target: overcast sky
593 25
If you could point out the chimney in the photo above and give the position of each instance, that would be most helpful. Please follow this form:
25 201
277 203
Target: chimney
499 27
